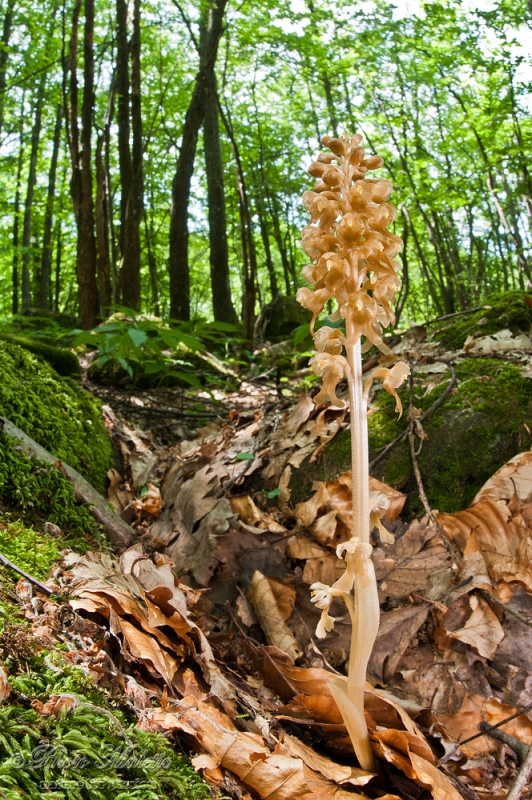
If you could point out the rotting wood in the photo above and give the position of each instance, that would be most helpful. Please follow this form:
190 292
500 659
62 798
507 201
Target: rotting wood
118 531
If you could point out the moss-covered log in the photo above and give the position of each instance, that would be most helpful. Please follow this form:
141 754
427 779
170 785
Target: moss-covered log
55 412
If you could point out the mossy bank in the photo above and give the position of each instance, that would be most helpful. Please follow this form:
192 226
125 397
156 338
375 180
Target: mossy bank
485 421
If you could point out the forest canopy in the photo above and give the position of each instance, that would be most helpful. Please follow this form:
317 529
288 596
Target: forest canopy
153 154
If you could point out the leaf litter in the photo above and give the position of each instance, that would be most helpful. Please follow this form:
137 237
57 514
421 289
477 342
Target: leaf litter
206 625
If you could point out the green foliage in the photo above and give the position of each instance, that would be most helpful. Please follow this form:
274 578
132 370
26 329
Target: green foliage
137 347
55 412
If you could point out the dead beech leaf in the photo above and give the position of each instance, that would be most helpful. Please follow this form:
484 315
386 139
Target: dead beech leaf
302 547
251 515
147 649
411 562
151 502
397 499
5 688
326 569
245 611
323 765
489 528
431 776
515 477
262 598
482 630
57 704
276 776
285 597
396 630
320 708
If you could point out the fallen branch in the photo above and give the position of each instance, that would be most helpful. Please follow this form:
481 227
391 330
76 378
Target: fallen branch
119 532
7 563
506 608
519 747
521 778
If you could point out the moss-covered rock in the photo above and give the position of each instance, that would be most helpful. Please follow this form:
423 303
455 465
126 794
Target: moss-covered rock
55 412
64 361
284 315
507 310
484 422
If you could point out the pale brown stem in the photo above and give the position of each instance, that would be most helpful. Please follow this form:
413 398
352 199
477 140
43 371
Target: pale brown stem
366 606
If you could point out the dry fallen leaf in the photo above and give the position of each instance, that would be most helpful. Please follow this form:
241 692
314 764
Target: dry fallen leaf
482 630
151 502
5 688
262 598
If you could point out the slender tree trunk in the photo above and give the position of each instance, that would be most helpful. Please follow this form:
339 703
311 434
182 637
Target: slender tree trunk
131 249
249 255
265 236
4 54
178 262
46 259
152 264
81 151
16 216
122 115
130 157
28 204
102 234
222 303
58 254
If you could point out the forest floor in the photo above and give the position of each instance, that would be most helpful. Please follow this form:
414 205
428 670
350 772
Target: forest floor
227 659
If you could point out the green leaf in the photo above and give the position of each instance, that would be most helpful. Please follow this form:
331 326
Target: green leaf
272 494
137 336
301 333
245 456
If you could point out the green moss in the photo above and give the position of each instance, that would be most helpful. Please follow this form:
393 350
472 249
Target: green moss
64 361
92 753
58 414
479 427
34 552
508 310
42 493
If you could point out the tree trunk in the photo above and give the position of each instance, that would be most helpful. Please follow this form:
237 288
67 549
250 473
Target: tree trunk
222 303
130 269
81 180
28 204
58 254
16 216
4 53
249 255
46 259
178 262
122 115
102 234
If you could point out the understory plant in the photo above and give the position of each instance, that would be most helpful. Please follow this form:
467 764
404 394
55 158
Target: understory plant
355 267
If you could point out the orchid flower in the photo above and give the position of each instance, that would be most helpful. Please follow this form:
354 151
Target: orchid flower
354 254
